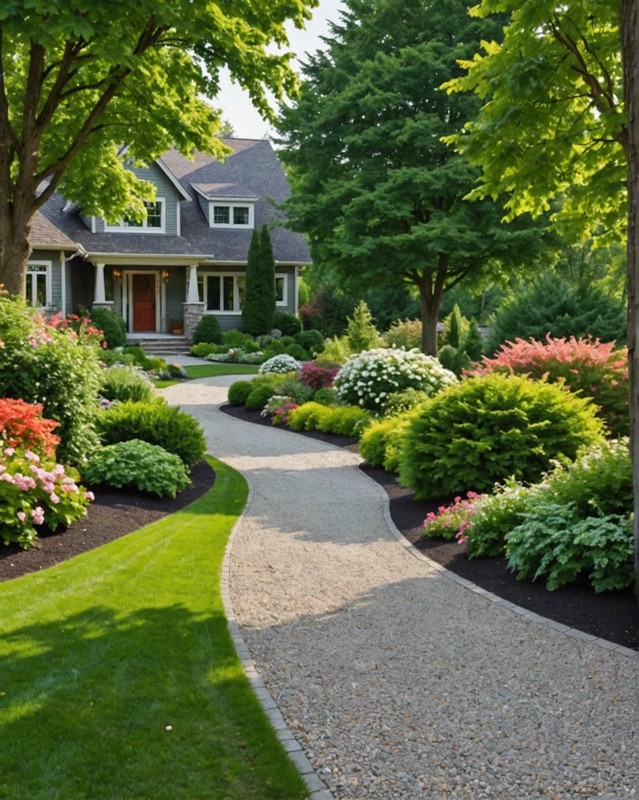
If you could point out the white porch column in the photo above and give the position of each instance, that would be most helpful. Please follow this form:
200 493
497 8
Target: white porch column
100 294
192 294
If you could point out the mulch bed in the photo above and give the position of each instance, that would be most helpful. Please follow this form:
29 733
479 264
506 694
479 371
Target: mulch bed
115 513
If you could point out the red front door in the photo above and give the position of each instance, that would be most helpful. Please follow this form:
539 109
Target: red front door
143 303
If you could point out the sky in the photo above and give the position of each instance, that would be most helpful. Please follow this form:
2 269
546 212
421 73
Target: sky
235 103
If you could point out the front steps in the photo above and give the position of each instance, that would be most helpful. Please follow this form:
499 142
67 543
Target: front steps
163 345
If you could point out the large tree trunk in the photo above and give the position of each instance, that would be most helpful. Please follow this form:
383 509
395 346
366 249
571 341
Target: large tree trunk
15 249
431 290
629 19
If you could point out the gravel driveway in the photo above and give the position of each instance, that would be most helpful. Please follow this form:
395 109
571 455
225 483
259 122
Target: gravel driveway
398 682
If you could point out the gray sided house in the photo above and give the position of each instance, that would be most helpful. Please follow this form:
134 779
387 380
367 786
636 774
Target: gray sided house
186 259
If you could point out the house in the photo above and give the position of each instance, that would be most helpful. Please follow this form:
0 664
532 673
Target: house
186 259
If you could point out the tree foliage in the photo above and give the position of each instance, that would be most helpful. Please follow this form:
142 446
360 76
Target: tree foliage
79 80
378 192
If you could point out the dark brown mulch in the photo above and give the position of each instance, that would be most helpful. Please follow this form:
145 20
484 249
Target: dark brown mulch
113 513
613 615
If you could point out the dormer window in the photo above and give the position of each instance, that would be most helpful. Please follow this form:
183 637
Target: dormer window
154 222
227 205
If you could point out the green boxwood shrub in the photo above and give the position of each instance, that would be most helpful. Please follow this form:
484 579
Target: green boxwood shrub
238 392
157 423
137 464
240 340
204 349
288 324
263 387
484 430
312 341
126 383
207 331
111 324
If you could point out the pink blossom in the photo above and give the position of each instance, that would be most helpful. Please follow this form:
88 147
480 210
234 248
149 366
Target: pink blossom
89 496
9 451
54 498
22 516
37 515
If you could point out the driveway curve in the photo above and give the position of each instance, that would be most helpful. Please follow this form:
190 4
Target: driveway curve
398 682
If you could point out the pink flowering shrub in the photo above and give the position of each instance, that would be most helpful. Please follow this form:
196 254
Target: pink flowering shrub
36 492
317 377
587 366
452 521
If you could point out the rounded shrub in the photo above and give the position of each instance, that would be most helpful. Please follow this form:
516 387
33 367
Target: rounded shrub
288 324
137 464
240 340
312 340
487 429
238 392
111 324
125 383
157 423
405 334
207 331
281 363
263 387
370 378
381 444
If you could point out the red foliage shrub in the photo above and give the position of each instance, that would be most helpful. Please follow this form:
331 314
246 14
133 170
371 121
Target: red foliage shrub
317 377
586 366
22 425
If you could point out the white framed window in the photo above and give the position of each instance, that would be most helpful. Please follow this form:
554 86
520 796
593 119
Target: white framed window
231 215
154 222
281 290
222 293
38 284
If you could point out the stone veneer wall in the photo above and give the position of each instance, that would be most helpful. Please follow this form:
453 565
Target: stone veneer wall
193 313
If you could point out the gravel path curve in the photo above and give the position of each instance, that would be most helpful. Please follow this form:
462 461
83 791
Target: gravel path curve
399 683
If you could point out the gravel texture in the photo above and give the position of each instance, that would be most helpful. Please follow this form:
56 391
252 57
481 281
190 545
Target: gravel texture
398 682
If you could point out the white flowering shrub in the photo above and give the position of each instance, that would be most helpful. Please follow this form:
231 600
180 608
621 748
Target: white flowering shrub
370 378
281 363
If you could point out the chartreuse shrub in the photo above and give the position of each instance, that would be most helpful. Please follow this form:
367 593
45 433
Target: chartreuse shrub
343 420
485 430
575 521
157 423
238 392
382 442
405 334
137 464
587 366
370 378
57 368
125 383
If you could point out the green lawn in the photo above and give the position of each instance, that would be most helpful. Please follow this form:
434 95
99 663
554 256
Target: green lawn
118 678
212 370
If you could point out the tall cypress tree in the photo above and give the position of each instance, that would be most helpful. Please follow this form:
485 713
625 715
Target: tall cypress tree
258 304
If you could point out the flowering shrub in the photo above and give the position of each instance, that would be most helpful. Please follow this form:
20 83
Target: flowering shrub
279 408
59 369
587 366
35 492
371 377
235 355
21 425
316 376
280 363
452 521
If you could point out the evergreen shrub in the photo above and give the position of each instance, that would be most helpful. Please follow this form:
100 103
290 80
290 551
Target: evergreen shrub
126 383
207 330
487 429
238 392
288 324
112 326
157 423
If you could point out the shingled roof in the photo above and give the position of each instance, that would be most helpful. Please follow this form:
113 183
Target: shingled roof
46 236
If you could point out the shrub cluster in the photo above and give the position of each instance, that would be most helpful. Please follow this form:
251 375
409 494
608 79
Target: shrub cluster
157 423
586 366
343 420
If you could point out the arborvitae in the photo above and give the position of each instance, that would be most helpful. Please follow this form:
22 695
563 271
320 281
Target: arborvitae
258 303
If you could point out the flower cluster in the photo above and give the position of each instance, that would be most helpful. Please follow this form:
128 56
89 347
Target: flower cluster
369 378
453 521
21 424
34 492
236 355
281 363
